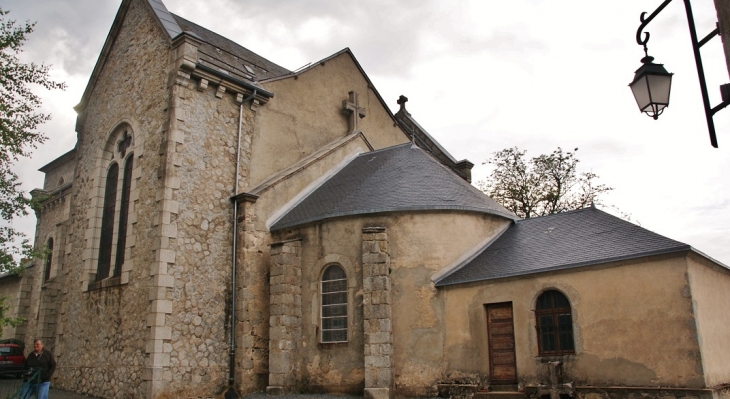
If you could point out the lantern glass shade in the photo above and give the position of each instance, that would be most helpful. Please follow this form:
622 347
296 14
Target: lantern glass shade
651 86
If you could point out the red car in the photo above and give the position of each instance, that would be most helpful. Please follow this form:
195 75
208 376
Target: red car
12 360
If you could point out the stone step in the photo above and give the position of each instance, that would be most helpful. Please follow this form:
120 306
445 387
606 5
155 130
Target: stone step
503 388
499 395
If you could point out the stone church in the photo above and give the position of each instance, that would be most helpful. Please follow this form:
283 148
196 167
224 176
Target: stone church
226 226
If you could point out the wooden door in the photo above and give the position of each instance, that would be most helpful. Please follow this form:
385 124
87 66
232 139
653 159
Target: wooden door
500 330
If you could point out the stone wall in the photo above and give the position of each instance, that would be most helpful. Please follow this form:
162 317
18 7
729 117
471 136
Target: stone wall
252 300
40 296
102 333
201 174
15 291
60 174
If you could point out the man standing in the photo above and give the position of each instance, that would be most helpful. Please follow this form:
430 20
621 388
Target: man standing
41 359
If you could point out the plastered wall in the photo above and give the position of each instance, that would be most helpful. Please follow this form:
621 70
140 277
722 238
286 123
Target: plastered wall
632 322
711 306
306 114
419 244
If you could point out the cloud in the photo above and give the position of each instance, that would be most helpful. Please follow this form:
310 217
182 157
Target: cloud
68 34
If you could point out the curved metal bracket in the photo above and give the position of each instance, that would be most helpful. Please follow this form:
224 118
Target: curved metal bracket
645 21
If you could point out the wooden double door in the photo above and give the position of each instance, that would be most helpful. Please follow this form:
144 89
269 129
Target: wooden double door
501 333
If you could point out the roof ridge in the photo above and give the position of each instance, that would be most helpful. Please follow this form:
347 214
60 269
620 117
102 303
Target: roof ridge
385 149
561 213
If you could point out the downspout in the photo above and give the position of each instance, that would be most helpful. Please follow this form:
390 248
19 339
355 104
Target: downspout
232 349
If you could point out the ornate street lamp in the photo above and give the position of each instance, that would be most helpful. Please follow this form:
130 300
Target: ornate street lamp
651 87
652 82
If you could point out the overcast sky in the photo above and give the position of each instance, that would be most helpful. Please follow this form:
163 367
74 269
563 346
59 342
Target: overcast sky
481 76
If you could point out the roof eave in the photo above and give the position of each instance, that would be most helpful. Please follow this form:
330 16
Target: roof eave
304 222
60 160
680 249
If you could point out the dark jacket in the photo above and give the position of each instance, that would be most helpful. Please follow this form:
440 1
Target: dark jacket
43 361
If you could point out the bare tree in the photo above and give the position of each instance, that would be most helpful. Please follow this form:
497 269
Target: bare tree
549 183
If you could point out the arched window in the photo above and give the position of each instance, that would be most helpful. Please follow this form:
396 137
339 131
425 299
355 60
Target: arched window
334 304
116 186
107 223
554 324
123 215
109 217
49 260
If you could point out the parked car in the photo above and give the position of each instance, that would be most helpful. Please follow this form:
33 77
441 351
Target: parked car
12 360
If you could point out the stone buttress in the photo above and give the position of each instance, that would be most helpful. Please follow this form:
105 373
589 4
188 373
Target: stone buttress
377 313
285 321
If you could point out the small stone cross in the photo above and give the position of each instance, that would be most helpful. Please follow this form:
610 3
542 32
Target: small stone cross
124 143
352 106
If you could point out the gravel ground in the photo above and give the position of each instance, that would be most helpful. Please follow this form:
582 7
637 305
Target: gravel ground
59 394
262 395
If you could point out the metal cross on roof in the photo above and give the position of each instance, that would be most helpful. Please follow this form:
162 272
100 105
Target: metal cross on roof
352 106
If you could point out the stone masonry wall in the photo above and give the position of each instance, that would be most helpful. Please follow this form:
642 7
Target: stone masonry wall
202 151
41 303
102 333
59 175
377 313
252 302
285 327
11 290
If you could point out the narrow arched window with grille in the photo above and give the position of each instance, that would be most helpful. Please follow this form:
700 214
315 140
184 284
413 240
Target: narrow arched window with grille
554 323
334 305
49 260
107 223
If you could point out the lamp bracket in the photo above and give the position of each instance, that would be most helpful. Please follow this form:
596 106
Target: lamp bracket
645 21
696 44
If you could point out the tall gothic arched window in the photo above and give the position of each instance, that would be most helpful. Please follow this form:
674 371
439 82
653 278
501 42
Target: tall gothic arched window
554 324
123 215
115 213
107 222
49 260
334 304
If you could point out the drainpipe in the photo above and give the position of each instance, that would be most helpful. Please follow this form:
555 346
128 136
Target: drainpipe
232 349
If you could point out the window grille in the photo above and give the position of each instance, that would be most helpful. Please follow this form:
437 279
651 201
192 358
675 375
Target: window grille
334 305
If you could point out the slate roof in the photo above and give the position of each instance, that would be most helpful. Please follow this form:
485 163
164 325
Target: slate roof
399 178
166 19
221 53
561 241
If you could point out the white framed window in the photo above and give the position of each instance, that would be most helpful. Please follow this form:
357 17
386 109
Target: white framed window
333 314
